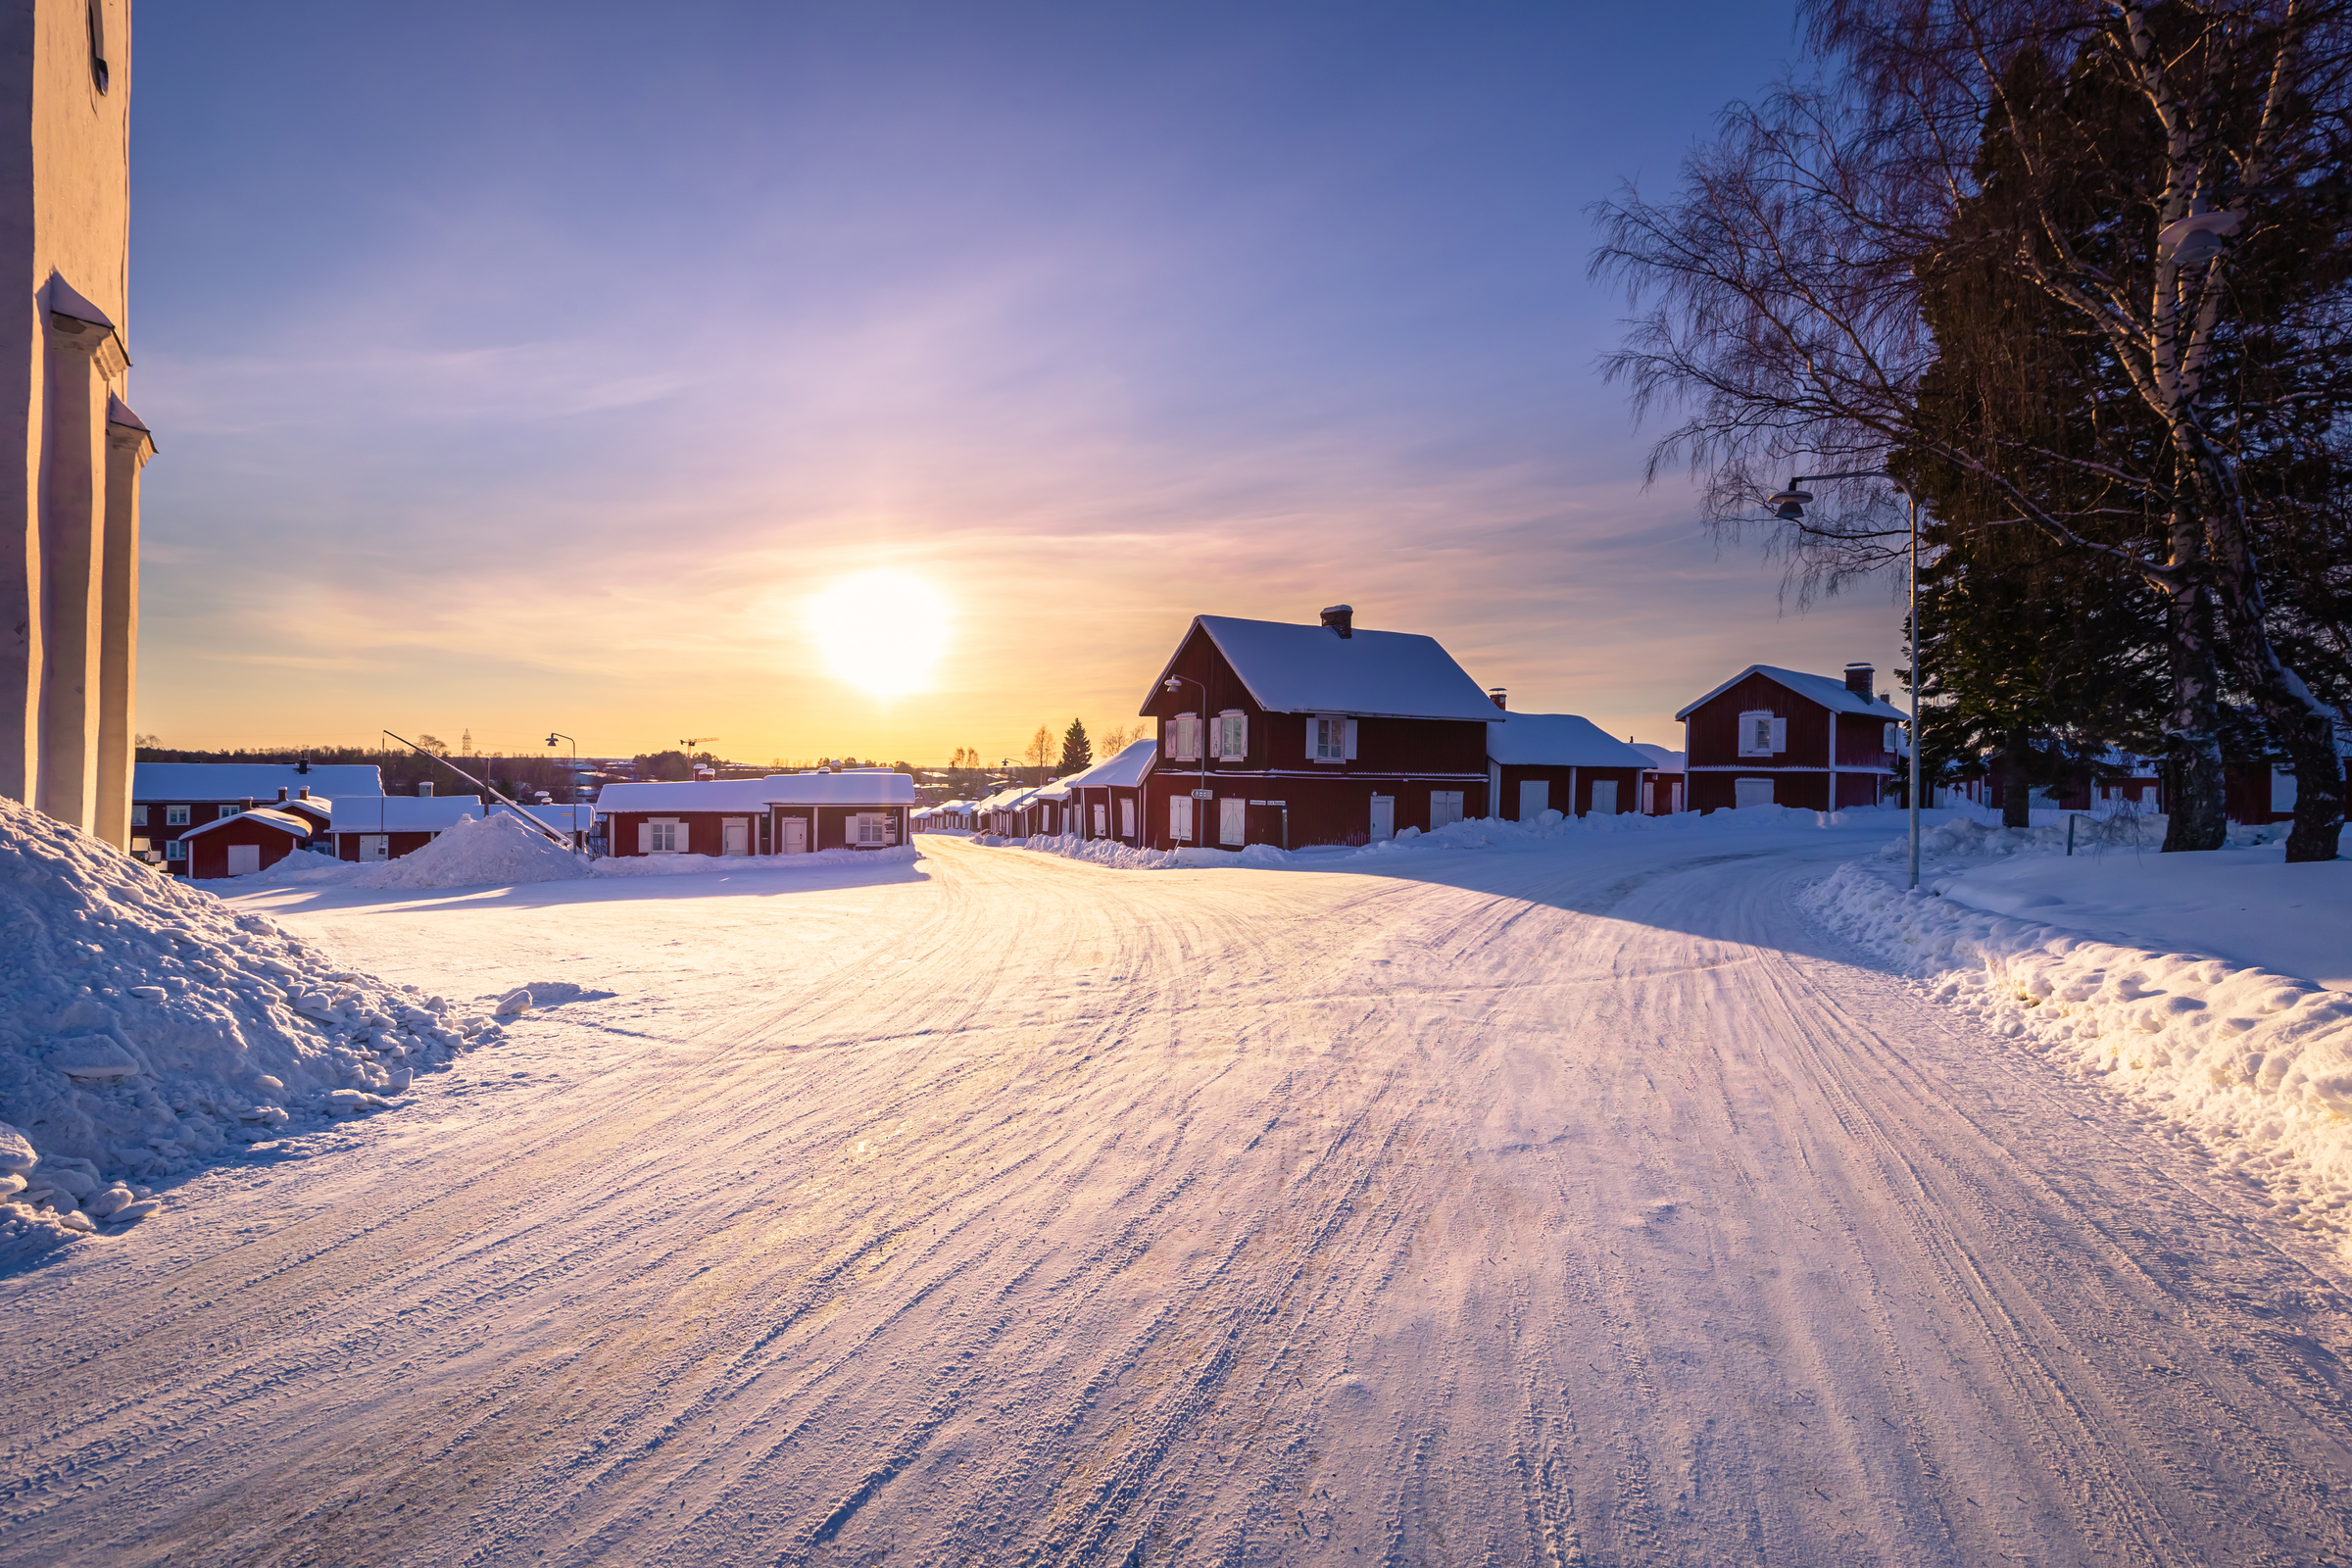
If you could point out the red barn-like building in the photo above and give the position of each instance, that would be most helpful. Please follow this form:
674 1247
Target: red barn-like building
244 843
1561 762
1779 737
1292 735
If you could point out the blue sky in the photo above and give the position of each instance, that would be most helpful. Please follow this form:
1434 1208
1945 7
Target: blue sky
518 366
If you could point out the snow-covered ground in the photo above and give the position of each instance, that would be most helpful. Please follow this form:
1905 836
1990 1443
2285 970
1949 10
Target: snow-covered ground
1562 1198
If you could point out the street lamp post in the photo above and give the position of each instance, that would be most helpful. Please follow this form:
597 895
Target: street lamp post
554 736
1790 507
1174 685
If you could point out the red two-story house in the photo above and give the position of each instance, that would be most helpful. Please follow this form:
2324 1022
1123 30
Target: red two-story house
1291 735
1780 736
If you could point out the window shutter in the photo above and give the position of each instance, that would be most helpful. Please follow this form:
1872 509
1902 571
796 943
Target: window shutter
645 838
1780 735
1352 740
1887 738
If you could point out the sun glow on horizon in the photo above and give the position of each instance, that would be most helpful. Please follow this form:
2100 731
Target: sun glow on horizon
881 631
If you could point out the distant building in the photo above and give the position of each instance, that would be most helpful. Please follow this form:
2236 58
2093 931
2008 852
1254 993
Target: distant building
385 827
1296 735
1779 737
69 566
1662 781
169 799
784 813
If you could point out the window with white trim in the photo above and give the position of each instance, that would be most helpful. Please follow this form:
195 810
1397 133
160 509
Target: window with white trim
1180 817
175 849
175 816
1762 734
139 817
1327 738
662 838
1184 738
873 828
228 811
1233 736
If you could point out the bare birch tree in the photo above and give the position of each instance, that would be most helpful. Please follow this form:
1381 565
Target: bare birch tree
2170 178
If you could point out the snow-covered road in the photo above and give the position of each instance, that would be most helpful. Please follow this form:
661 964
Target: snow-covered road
1580 1206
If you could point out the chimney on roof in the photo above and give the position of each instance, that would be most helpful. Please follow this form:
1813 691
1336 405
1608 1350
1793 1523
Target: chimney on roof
304 793
282 794
1340 619
1498 694
424 786
1858 677
303 767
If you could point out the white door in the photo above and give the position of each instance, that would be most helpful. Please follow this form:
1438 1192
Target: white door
375 846
1605 797
1179 819
1535 798
796 835
1747 792
1383 817
1101 820
735 835
1232 823
244 859
1445 806
1127 818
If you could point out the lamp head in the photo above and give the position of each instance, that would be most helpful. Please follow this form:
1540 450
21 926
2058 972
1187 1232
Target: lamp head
1790 505
1173 684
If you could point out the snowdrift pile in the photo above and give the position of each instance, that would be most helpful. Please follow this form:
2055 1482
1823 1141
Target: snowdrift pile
2258 1063
494 850
692 864
145 1028
1476 833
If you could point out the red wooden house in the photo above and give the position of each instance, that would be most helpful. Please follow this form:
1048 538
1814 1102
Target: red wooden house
1292 735
244 842
168 799
385 827
1779 737
1662 784
784 813
1107 801
1560 763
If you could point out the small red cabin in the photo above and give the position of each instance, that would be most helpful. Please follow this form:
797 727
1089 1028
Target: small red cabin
1292 735
1107 801
1779 737
1561 762
245 843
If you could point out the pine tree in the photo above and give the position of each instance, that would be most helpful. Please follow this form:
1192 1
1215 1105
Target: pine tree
1077 755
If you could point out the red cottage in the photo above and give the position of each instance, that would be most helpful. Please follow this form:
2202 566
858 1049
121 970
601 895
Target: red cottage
1778 737
783 814
1273 733
1107 801
244 843
1561 762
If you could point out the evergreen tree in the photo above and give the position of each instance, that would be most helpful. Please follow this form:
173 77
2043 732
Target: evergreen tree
1077 755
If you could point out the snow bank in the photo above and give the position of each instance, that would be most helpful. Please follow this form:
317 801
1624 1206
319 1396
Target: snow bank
2258 1063
696 864
1478 833
145 1027
494 850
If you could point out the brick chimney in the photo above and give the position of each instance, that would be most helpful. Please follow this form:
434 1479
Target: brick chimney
1498 694
1858 677
282 794
424 786
1340 619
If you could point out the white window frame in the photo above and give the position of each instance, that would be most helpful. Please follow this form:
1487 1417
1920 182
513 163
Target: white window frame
1179 819
1755 732
666 835
1184 738
1329 737
175 849
224 812
139 817
175 816
1233 736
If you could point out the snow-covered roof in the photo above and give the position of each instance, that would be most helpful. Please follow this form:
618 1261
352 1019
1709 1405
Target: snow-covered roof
403 813
248 781
1827 689
1124 771
284 822
858 787
576 818
1661 759
1558 740
1291 668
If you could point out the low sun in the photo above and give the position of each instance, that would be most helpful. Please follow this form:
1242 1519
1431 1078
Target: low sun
881 631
